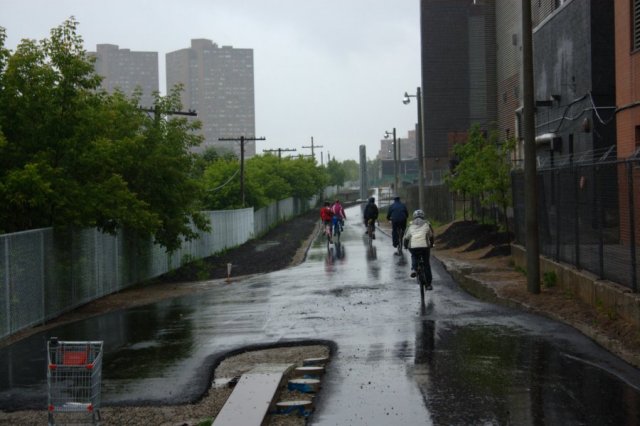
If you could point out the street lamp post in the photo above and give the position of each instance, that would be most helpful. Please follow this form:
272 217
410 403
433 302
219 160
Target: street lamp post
395 158
419 144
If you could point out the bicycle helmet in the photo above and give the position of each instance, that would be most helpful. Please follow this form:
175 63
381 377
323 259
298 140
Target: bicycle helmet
372 200
418 214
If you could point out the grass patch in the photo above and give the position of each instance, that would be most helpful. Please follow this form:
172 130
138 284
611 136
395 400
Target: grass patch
549 279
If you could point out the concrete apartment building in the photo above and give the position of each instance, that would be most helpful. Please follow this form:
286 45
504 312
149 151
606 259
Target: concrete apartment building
219 84
126 70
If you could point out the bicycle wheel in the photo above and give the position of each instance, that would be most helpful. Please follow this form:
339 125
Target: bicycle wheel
422 279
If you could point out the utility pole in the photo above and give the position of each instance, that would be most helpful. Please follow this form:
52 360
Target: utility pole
419 145
242 140
279 151
530 172
313 147
399 157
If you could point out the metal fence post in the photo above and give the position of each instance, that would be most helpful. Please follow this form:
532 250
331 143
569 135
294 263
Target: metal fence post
7 283
632 226
576 227
600 218
558 211
43 316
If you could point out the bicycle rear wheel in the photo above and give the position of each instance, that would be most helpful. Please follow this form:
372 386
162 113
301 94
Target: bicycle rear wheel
422 279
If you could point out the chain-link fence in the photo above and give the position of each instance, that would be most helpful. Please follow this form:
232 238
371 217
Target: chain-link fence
44 273
587 216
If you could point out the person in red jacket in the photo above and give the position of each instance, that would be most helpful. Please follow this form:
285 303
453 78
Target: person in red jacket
326 215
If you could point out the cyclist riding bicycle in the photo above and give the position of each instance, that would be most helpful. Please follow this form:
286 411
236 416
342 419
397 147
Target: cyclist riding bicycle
326 215
339 216
370 214
398 215
419 240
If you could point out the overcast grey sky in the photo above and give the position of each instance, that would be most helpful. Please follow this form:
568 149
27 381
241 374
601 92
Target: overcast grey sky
332 69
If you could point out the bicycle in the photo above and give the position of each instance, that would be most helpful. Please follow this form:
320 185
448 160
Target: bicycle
328 228
421 275
371 227
337 228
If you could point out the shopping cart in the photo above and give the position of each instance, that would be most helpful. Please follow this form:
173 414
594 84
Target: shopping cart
74 375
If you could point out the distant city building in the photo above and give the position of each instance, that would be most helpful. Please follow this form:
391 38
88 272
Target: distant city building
219 84
406 144
126 70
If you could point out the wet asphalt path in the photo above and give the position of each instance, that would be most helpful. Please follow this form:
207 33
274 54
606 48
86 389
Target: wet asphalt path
452 360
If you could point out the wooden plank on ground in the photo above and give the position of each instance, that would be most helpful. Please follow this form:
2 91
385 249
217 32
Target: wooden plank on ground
251 398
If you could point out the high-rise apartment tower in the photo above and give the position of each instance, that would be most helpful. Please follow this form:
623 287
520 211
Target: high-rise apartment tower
126 70
218 83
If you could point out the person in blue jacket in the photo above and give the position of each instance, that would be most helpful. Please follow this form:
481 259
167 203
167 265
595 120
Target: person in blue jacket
398 215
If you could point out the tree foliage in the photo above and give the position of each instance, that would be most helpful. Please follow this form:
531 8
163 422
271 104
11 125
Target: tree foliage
483 169
267 179
73 155
336 173
351 170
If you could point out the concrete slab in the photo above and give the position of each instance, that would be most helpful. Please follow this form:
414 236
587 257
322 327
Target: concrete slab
253 396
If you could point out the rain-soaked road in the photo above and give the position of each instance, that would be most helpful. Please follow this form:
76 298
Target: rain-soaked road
453 360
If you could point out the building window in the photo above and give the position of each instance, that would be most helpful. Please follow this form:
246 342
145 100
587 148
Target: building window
636 24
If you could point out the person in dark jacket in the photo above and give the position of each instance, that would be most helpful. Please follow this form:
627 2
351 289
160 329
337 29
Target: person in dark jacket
398 215
370 213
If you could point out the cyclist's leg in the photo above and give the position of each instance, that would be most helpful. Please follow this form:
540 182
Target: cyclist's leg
394 233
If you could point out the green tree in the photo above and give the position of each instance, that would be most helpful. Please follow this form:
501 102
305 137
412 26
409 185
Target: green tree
304 176
266 169
351 170
74 155
267 179
336 173
483 169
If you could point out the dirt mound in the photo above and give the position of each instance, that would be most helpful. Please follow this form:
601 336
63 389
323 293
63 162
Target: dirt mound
475 236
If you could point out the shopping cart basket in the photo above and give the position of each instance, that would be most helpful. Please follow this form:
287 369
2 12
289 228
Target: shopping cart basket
74 375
